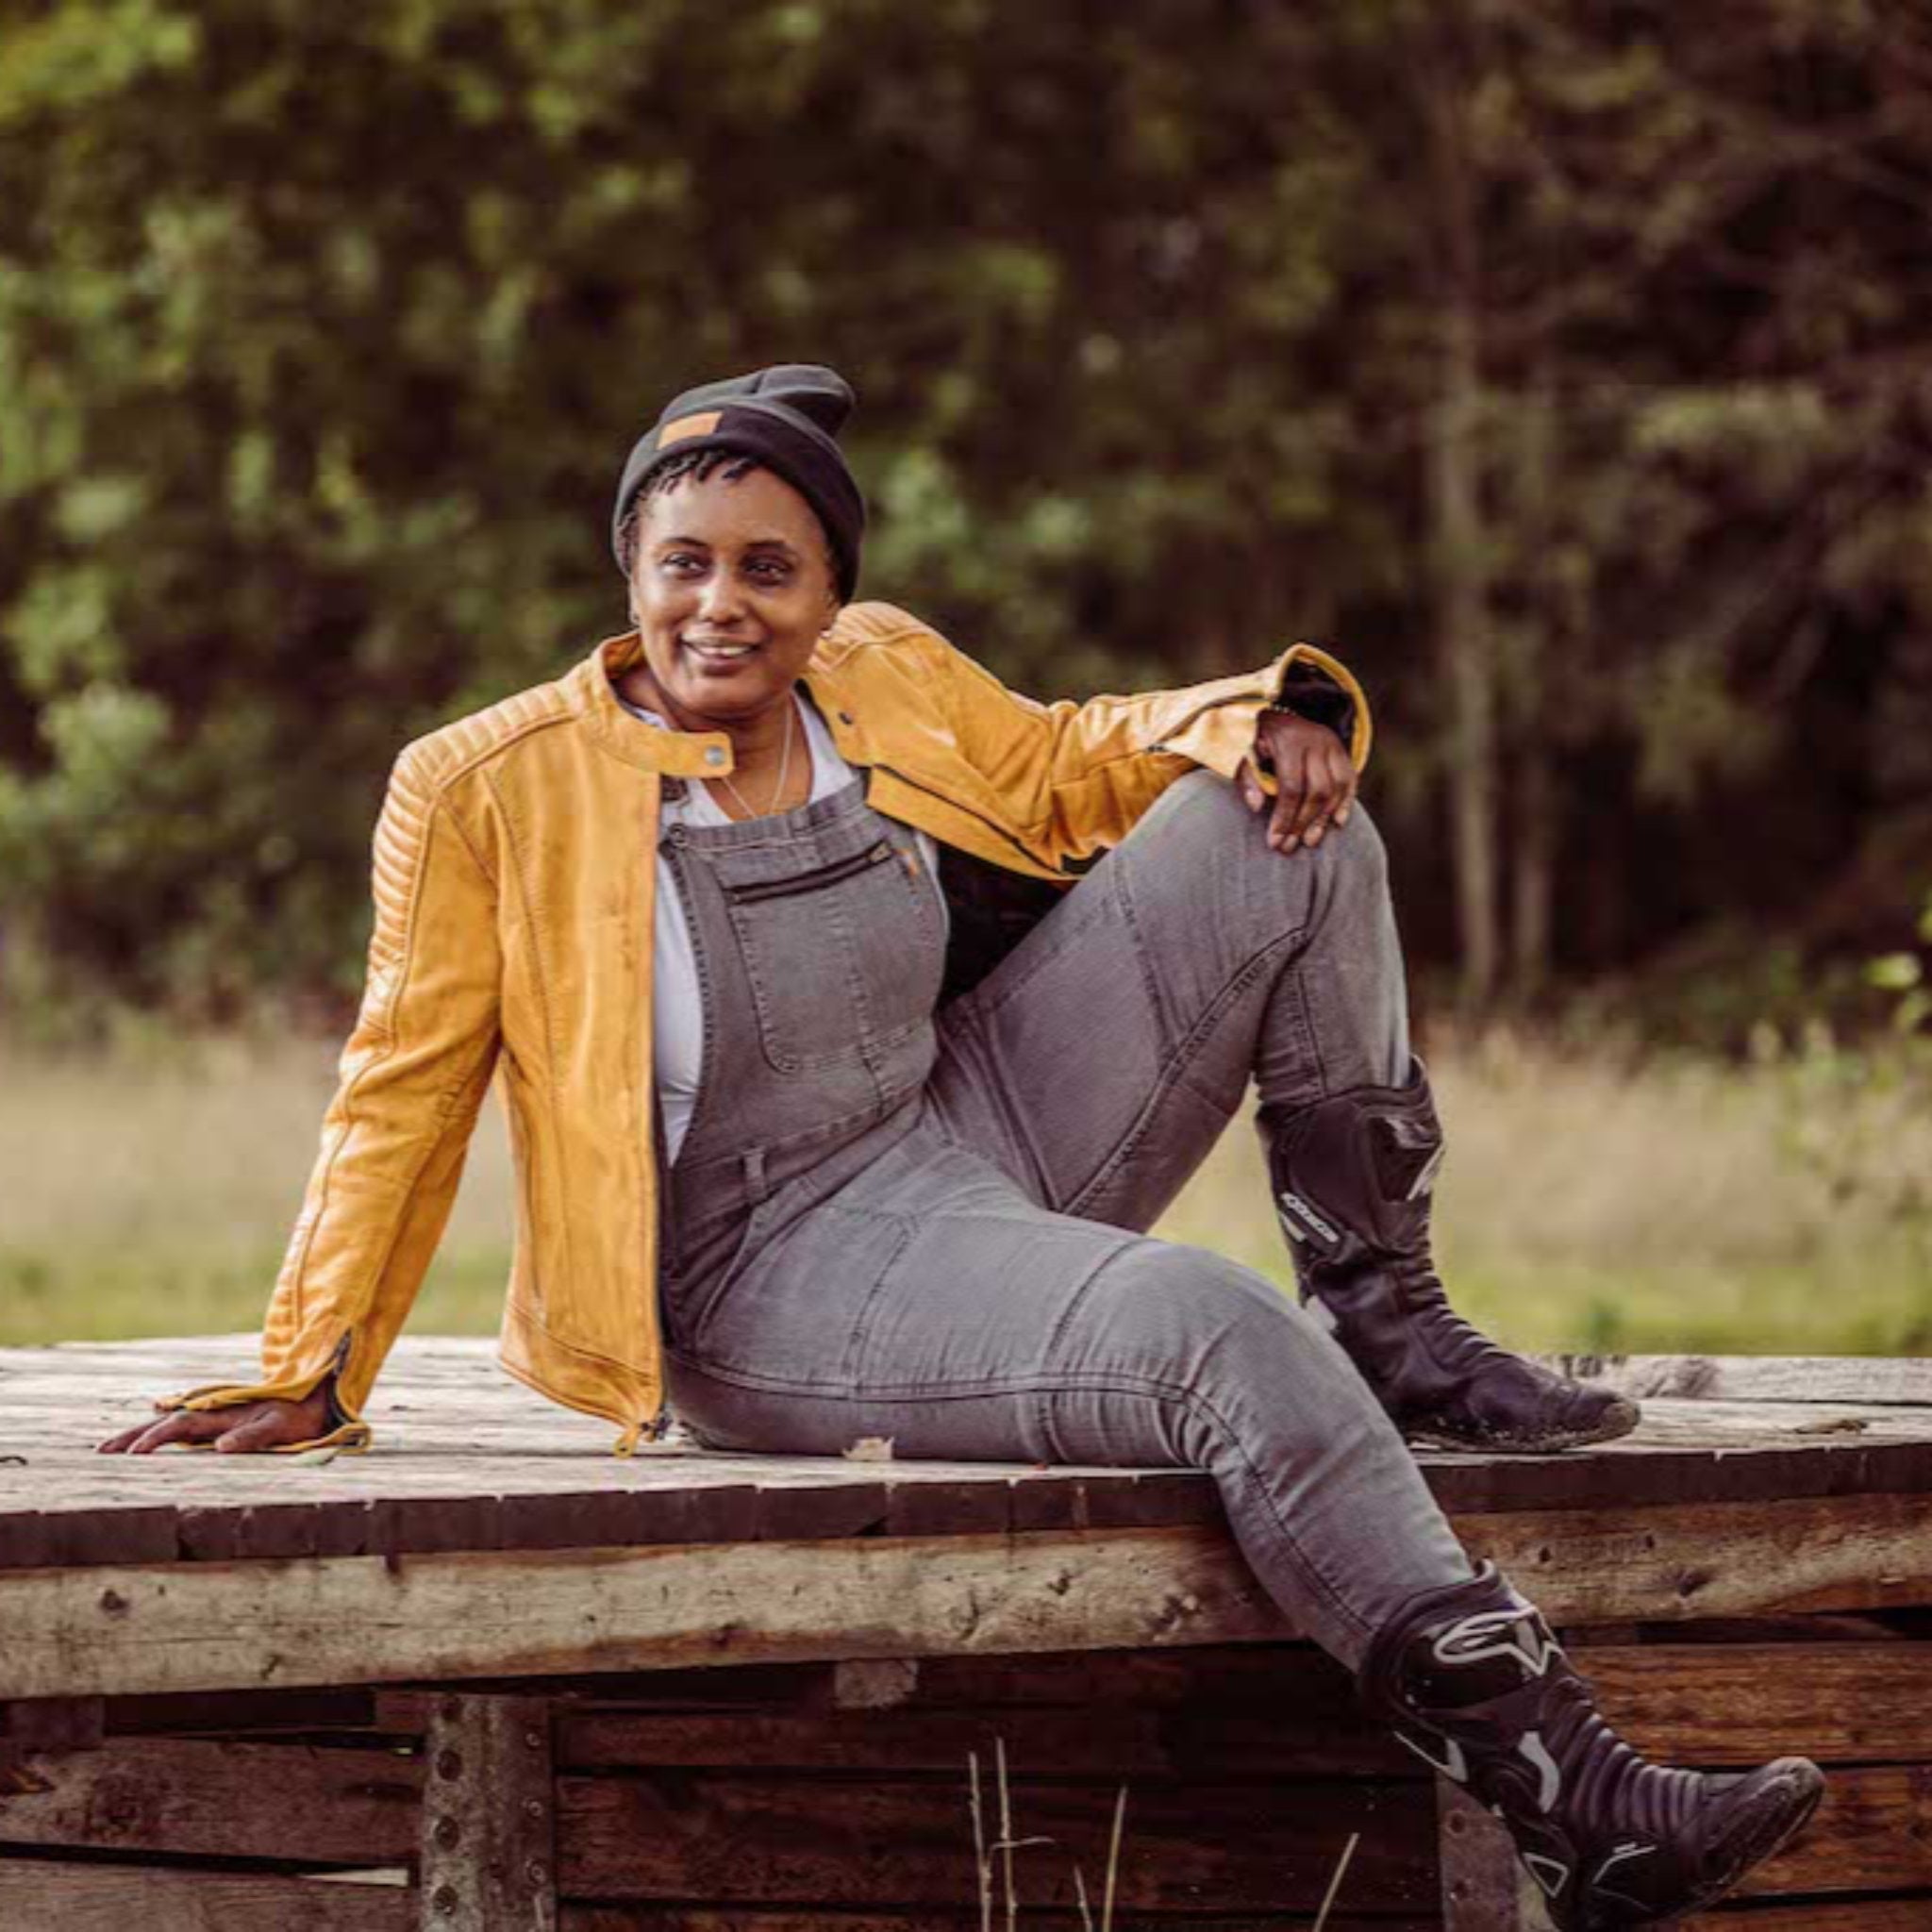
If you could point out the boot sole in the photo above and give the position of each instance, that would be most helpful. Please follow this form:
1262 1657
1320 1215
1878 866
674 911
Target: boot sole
1781 1809
1617 1420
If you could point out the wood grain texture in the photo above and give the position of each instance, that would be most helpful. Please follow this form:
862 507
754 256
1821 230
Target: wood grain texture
326 1621
872 1841
214 1798
1905 1380
245 1626
471 1460
48 1895
653 1917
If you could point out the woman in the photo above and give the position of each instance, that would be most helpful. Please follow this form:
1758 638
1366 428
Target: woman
846 1116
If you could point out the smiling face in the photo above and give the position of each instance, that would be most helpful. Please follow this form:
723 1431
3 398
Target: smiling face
731 587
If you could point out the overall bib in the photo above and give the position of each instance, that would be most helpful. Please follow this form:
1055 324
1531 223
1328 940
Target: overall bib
929 1227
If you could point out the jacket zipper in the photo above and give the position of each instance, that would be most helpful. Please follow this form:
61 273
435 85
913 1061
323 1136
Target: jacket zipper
965 810
812 881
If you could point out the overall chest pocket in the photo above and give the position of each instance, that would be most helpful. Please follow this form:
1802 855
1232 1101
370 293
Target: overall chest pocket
843 953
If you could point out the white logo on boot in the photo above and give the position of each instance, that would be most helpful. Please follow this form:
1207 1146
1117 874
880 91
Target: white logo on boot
1498 1633
1301 1223
1551 1873
1454 1765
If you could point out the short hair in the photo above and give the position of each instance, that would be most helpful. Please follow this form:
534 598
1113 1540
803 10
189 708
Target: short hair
696 466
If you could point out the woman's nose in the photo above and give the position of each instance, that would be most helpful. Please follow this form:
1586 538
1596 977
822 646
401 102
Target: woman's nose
720 597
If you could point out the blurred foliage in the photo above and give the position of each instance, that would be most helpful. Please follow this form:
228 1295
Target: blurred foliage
323 331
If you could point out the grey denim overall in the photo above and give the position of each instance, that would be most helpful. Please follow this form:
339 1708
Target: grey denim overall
929 1226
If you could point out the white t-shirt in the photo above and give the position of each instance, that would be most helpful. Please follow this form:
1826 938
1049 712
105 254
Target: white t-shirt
677 1015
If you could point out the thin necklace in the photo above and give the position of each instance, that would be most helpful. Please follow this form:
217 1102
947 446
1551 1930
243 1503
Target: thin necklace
784 769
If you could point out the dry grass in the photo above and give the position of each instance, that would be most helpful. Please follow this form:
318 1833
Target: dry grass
1681 1204
999 1895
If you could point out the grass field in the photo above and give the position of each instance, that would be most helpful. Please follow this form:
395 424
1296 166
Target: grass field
1777 1209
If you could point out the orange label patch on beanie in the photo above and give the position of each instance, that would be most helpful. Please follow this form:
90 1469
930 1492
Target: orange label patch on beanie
701 425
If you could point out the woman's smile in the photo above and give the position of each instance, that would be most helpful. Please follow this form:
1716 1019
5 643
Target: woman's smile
732 587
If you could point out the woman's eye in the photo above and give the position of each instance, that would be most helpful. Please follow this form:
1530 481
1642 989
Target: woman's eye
769 570
681 561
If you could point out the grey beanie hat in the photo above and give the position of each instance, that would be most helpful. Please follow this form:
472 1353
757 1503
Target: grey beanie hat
788 417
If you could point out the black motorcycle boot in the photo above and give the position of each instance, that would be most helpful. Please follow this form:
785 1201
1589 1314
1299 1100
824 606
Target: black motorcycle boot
1350 1177
1472 1681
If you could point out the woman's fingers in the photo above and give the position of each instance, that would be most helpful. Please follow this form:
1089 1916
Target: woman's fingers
245 1426
1331 791
1349 779
179 1425
262 1432
1290 796
1250 786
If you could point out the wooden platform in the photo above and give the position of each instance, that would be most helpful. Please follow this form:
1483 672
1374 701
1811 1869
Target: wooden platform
748 1688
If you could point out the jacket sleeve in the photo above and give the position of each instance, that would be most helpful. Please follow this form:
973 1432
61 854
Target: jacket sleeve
396 1135
1089 771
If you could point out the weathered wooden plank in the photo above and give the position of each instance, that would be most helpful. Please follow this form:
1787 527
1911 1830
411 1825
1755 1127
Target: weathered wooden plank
1872 1833
1722 1559
1702 1703
1711 1704
1819 1915
243 1626
303 1803
211 1510
1905 1380
36 1893
655 1918
325 1708
875 1842
1290 1741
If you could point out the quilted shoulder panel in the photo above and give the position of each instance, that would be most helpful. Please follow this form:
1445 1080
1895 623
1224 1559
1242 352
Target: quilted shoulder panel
444 754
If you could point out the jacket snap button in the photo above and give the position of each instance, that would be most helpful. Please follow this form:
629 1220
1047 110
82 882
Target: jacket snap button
714 757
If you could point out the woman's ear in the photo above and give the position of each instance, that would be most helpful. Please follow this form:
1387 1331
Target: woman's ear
833 607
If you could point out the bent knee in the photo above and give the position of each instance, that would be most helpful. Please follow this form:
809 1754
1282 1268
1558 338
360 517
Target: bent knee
1192 1316
1200 856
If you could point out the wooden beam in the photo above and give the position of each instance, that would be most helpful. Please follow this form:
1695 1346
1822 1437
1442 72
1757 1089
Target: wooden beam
871 1842
84 1632
525 1613
1904 1380
200 1797
35 1892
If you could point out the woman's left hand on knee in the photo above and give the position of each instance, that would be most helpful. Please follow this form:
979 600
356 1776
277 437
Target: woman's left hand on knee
1314 779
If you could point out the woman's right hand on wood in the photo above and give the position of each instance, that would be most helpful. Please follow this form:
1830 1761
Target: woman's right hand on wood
256 1426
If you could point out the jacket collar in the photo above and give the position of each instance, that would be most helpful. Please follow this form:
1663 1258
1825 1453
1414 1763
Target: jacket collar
591 694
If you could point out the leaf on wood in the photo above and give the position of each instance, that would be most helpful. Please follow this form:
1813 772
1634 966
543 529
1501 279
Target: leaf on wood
870 1449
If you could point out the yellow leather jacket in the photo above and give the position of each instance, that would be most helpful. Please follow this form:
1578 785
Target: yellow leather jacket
513 921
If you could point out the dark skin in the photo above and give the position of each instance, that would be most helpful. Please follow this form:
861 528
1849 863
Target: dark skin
731 590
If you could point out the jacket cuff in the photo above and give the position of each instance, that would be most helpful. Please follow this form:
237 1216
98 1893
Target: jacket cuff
346 1430
1220 734
1313 684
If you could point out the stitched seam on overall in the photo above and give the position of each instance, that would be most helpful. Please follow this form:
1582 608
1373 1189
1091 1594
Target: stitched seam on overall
1114 1383
1011 1117
834 1129
704 1102
1174 1066
862 1326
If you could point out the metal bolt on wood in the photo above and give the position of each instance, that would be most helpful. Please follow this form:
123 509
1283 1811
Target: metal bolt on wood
486 1841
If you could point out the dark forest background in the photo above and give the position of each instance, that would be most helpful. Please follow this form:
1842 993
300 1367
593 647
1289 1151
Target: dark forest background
1564 367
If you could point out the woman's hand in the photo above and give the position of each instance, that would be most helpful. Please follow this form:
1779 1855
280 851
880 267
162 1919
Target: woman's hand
1314 778
247 1425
